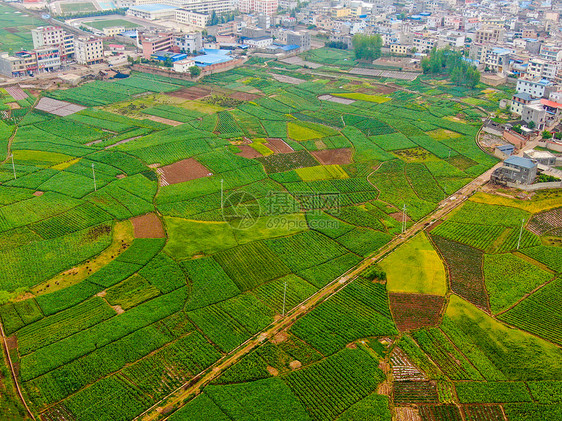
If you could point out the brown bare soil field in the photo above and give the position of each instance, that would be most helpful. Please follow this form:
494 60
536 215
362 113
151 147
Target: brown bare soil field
193 92
341 156
184 170
399 216
163 120
412 311
406 413
278 145
248 152
244 96
148 226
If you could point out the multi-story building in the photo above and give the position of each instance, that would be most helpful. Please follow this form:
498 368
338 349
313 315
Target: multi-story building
22 63
300 38
48 58
399 49
518 101
536 88
517 170
551 52
496 59
27 63
189 43
153 11
261 42
88 50
535 113
542 69
267 7
491 34
188 17
53 36
424 43
152 43
208 6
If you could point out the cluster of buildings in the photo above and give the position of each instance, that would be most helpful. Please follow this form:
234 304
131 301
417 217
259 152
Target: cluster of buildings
52 48
538 101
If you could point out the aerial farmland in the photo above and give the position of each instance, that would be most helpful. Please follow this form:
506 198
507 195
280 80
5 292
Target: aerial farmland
270 243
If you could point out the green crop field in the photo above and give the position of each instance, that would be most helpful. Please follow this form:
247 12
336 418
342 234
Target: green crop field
195 253
15 29
101 24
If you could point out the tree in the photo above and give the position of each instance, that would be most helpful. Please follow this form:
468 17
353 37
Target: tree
531 125
214 20
558 135
367 47
546 135
194 71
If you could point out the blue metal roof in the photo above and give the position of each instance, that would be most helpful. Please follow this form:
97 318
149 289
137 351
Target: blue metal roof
207 60
520 162
506 148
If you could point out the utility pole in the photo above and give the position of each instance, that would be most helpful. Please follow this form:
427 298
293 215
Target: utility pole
222 193
520 233
94 174
404 218
284 297
13 166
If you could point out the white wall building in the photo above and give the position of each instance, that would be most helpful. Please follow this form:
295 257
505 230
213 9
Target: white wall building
153 11
188 17
53 36
88 50
537 89
542 69
183 66
260 42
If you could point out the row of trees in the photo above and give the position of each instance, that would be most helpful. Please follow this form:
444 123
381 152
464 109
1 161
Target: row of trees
336 44
222 18
452 63
367 47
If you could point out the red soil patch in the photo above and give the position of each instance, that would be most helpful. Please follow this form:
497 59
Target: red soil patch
248 152
399 216
244 96
38 193
148 226
278 145
12 342
184 170
272 370
341 156
12 30
193 92
413 311
295 364
279 338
